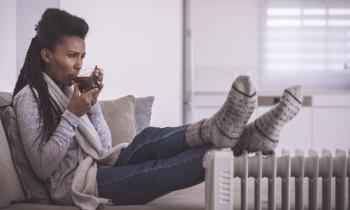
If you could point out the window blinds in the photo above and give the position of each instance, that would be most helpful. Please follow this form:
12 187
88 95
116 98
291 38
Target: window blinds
306 39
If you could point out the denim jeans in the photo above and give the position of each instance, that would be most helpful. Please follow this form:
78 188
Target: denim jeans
157 162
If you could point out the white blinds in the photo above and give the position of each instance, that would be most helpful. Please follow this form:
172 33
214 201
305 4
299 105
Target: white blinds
307 38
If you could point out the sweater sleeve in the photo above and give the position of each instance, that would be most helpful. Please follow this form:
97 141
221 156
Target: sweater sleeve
43 160
98 121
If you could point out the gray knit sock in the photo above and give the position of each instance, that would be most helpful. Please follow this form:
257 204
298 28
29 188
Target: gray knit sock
263 134
225 127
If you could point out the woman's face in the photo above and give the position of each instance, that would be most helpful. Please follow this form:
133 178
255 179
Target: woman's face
63 64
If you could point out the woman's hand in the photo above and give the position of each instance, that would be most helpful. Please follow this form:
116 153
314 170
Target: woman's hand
98 74
80 104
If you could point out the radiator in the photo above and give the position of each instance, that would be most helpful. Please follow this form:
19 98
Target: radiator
222 167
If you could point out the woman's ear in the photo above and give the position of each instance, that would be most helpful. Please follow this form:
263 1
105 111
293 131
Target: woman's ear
45 55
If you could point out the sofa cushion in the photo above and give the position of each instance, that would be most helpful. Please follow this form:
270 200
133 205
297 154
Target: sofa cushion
5 100
120 117
11 190
33 187
191 198
143 112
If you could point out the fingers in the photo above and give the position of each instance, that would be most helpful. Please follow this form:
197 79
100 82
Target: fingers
76 90
89 95
90 92
98 73
99 85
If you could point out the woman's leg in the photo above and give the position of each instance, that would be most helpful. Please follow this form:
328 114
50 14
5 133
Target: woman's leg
143 182
222 129
154 143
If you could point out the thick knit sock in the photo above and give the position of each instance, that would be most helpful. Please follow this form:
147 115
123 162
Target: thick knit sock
225 127
263 134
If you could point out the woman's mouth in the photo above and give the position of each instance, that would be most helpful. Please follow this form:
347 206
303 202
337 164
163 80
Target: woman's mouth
73 77
72 81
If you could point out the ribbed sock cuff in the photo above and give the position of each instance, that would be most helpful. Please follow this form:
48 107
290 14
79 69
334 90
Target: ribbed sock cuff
193 134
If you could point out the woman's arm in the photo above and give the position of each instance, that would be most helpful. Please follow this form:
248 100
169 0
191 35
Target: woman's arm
98 121
43 160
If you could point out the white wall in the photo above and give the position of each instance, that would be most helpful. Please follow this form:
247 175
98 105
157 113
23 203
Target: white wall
17 19
139 46
225 42
28 14
137 43
8 45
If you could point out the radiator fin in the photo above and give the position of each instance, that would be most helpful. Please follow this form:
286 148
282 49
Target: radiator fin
326 167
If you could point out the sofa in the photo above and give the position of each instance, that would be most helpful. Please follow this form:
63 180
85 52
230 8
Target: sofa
125 117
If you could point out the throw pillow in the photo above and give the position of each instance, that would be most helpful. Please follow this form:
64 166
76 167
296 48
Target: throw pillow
34 188
120 117
11 190
143 112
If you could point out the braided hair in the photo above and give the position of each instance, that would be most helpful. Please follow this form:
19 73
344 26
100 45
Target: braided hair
53 27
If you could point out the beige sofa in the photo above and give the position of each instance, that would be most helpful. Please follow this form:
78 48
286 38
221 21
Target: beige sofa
12 195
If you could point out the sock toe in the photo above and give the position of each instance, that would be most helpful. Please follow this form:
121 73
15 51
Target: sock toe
296 92
244 85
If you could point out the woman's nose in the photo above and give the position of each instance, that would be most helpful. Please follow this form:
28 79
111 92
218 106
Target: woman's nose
78 64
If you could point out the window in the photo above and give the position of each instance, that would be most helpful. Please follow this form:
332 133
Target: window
306 42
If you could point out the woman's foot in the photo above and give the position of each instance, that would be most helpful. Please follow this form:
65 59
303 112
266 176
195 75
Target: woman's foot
263 134
225 127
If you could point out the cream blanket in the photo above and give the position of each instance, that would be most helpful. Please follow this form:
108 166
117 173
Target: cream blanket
74 182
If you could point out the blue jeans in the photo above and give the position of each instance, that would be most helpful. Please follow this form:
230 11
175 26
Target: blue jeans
157 162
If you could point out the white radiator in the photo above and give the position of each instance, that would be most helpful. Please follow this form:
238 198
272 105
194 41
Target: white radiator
222 166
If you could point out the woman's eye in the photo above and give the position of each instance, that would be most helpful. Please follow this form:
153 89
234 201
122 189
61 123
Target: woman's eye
71 55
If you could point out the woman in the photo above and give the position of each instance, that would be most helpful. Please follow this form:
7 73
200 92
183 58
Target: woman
68 143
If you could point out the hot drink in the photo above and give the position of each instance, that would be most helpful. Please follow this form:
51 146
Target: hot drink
86 83
88 78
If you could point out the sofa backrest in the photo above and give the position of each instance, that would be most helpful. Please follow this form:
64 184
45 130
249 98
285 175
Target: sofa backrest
137 115
34 189
10 186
